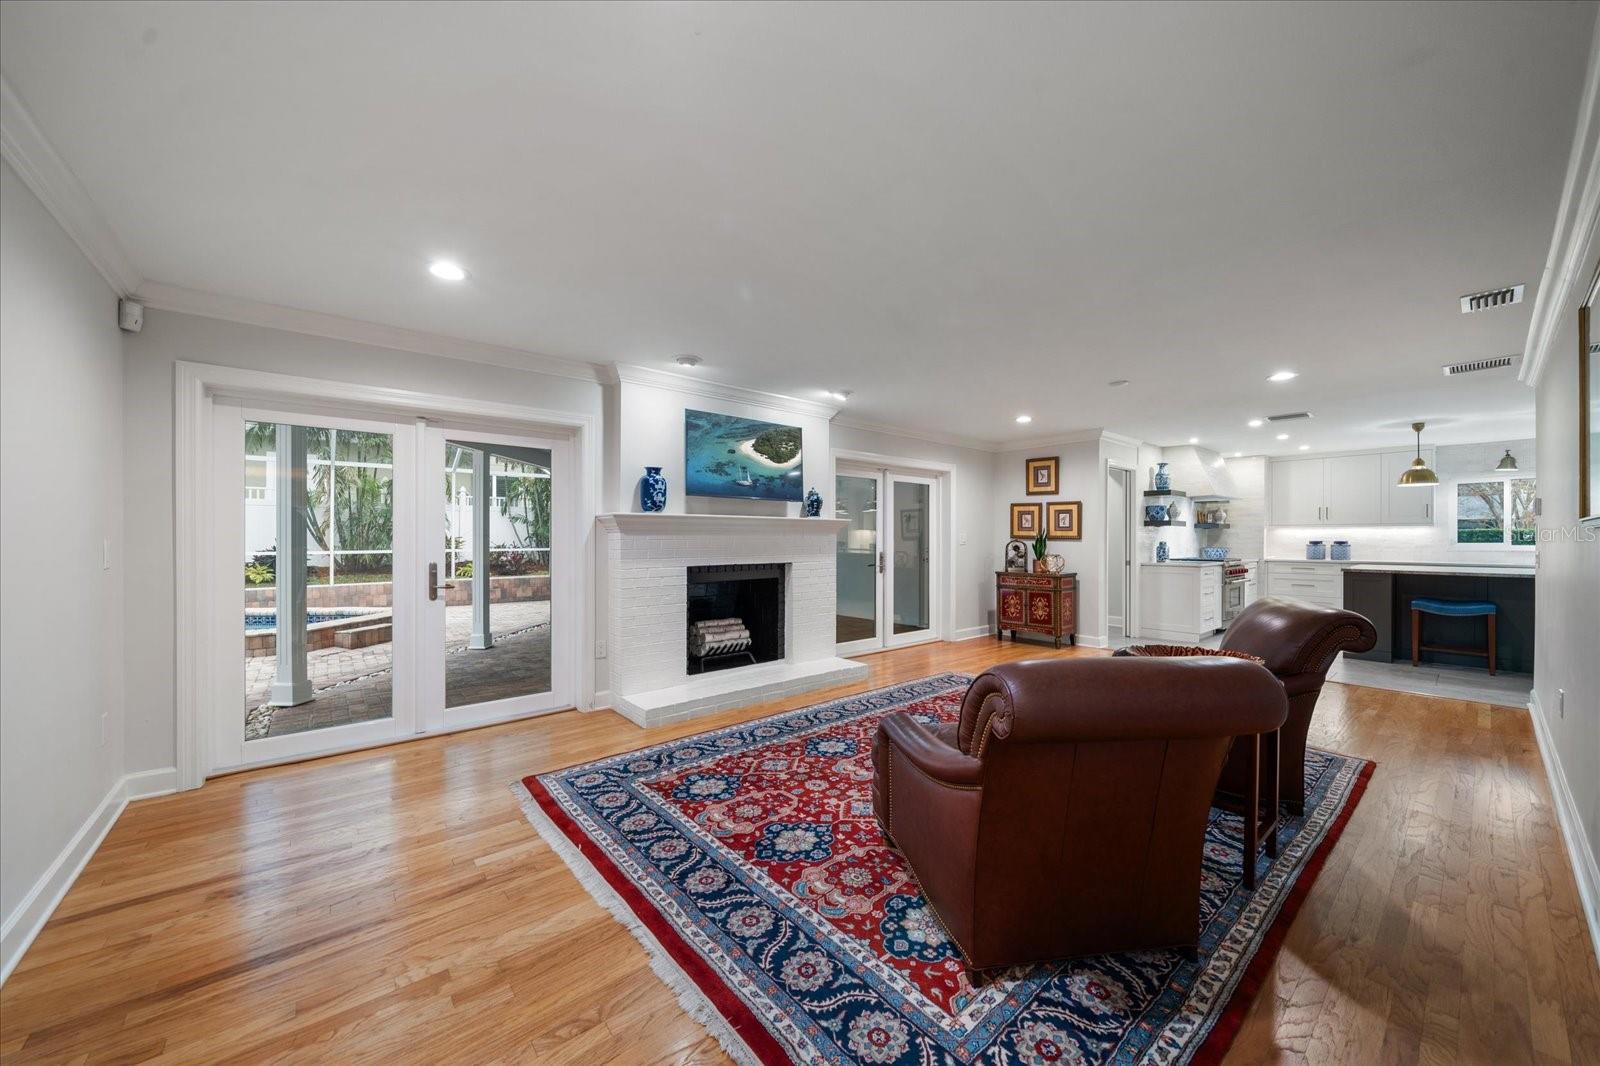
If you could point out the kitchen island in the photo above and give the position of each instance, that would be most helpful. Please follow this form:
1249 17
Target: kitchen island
1383 592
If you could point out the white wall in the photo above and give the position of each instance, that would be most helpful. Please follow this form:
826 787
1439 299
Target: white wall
61 610
147 449
1083 478
650 433
1566 671
1454 463
979 539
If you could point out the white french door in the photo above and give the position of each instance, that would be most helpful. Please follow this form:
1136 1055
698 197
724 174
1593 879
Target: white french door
886 559
397 578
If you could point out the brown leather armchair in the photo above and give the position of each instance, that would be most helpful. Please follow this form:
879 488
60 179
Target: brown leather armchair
1298 643
1065 813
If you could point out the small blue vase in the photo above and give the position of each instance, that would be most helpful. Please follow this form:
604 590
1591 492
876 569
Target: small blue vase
653 490
1162 552
1163 479
813 502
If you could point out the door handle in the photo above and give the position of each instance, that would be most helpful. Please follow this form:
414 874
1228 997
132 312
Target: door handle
433 582
880 562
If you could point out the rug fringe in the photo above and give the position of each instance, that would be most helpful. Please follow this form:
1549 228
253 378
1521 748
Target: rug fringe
688 994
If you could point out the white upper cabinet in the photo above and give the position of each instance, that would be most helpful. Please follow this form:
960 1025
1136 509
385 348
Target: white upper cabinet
1347 490
1405 507
1355 491
1298 487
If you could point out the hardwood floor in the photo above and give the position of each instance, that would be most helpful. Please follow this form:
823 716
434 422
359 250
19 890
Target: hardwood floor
395 905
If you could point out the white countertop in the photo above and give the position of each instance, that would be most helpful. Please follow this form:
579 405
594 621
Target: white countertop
1185 562
1462 569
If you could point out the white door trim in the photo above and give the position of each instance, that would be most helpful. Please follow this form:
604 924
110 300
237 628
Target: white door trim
887 532
1132 523
197 385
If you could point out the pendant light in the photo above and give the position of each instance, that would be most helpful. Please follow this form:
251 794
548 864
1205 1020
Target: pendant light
1509 462
1418 474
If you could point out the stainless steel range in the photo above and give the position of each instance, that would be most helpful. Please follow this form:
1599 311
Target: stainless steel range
1235 589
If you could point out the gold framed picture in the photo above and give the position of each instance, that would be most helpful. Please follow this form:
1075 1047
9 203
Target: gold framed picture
1044 476
1064 520
1026 520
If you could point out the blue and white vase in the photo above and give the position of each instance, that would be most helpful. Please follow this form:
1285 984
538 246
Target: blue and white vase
1163 479
1340 551
1162 551
653 490
1316 550
813 502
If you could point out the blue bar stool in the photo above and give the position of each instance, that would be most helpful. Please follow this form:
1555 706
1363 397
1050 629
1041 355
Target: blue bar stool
1455 609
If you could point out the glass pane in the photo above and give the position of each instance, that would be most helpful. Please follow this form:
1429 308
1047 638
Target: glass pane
856 611
1480 512
497 617
318 650
912 611
1524 527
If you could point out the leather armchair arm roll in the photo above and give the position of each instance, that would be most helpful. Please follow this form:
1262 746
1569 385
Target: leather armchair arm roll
927 752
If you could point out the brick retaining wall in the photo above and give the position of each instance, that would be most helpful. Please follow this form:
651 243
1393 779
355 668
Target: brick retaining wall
381 593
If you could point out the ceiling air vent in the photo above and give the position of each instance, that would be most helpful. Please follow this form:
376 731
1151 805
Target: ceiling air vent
1293 416
1483 301
1476 365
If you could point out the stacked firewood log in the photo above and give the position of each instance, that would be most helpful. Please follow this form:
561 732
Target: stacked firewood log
718 636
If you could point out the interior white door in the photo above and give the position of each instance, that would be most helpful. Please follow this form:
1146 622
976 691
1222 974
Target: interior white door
495 580
910 593
314 522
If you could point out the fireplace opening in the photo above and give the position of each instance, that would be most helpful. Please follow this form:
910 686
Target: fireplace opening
735 616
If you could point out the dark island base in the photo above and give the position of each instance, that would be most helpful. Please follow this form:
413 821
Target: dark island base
1385 599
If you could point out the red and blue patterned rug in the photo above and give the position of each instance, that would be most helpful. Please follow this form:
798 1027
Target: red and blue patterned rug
748 863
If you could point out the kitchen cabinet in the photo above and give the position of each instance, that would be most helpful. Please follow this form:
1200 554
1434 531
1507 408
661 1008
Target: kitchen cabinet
1321 584
1179 603
1406 506
1346 490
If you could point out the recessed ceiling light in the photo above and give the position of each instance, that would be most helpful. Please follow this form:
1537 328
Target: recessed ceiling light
1117 384
447 270
1283 436
1305 447
1283 375
1194 440
840 395
1023 420
689 361
1254 423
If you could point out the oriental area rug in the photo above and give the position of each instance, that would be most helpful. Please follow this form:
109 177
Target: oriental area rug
748 863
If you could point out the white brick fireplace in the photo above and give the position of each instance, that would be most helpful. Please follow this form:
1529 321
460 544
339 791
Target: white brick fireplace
647 559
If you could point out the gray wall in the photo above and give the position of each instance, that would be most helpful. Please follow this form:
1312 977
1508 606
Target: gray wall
147 450
1567 622
60 609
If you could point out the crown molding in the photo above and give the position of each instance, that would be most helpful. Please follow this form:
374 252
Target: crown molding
1077 436
41 168
715 390
336 327
1566 272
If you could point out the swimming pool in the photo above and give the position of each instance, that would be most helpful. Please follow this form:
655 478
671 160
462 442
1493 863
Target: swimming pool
255 621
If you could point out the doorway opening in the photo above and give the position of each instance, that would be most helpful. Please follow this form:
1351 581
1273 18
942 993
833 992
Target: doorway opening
1120 534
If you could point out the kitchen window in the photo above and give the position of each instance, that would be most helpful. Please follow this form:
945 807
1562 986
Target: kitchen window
1496 512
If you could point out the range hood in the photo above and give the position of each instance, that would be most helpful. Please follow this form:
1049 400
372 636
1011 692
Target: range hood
1200 473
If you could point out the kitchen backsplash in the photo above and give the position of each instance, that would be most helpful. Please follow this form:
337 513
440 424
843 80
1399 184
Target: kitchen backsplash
1247 508
1455 463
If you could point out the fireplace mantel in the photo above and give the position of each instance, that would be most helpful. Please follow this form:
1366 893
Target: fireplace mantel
645 561
660 524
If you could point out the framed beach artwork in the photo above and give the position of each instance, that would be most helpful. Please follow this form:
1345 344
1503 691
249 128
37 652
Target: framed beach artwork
745 458
1044 476
1026 520
1064 520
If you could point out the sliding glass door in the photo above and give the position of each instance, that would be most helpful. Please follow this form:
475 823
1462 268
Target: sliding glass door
884 559
395 579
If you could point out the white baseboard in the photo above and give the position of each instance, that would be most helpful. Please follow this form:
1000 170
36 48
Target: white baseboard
29 916
1584 869
973 633
601 701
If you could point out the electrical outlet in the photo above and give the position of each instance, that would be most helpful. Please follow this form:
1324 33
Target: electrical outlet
962 540
105 728
105 554
599 649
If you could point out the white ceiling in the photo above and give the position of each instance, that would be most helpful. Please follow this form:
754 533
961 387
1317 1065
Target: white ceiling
958 212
